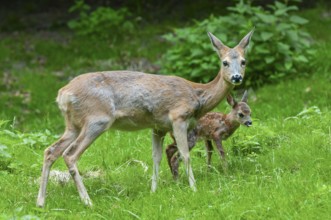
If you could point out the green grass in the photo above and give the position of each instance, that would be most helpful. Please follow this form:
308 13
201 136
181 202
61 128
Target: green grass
278 169
281 171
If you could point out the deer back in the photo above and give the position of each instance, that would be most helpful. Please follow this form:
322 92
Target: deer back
136 100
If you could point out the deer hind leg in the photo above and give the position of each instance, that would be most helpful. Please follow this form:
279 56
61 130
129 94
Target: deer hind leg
180 132
157 142
90 131
51 154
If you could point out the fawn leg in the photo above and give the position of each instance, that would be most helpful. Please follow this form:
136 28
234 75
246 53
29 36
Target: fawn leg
209 149
175 165
170 151
221 151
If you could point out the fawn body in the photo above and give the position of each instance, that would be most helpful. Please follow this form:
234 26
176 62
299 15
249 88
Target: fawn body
127 100
213 126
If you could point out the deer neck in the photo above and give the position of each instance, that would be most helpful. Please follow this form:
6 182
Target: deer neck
212 93
231 121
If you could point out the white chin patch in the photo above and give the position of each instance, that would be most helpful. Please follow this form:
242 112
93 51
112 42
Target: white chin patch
236 83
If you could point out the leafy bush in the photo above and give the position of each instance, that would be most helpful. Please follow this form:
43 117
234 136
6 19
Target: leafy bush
281 46
104 22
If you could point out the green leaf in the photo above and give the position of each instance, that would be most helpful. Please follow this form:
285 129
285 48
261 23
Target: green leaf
298 20
292 8
269 59
195 72
266 35
283 47
293 35
283 27
288 64
261 49
301 58
282 12
267 18
196 52
280 5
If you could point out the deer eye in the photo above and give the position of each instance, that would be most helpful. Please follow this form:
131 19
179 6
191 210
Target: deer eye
243 62
241 115
225 63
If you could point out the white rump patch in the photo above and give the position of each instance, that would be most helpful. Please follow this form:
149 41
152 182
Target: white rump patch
64 99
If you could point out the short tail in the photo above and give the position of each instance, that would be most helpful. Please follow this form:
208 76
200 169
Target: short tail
65 100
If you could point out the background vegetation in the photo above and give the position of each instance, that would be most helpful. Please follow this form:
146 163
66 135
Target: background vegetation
279 168
281 45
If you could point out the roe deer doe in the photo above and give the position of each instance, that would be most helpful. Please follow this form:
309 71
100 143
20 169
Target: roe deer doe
126 100
213 126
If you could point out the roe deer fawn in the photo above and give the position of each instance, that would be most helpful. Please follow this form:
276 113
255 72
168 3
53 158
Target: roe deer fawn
213 126
126 100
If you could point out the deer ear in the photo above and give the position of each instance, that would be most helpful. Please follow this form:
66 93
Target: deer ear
245 41
231 100
245 97
217 44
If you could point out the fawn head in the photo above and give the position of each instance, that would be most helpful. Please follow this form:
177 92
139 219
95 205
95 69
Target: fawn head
232 59
240 110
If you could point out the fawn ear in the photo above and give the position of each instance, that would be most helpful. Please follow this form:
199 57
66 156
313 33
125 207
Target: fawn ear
245 97
231 100
217 44
245 41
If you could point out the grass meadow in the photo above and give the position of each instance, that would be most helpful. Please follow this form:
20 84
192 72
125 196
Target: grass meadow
280 168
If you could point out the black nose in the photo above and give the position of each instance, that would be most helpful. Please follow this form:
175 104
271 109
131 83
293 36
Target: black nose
236 78
248 123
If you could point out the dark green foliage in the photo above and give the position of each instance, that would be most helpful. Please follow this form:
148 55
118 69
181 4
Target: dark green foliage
102 23
281 48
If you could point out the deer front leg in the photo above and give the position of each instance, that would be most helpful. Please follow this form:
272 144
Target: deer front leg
157 142
173 155
219 146
180 132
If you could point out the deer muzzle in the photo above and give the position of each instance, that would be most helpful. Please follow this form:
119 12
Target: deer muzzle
248 123
236 79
